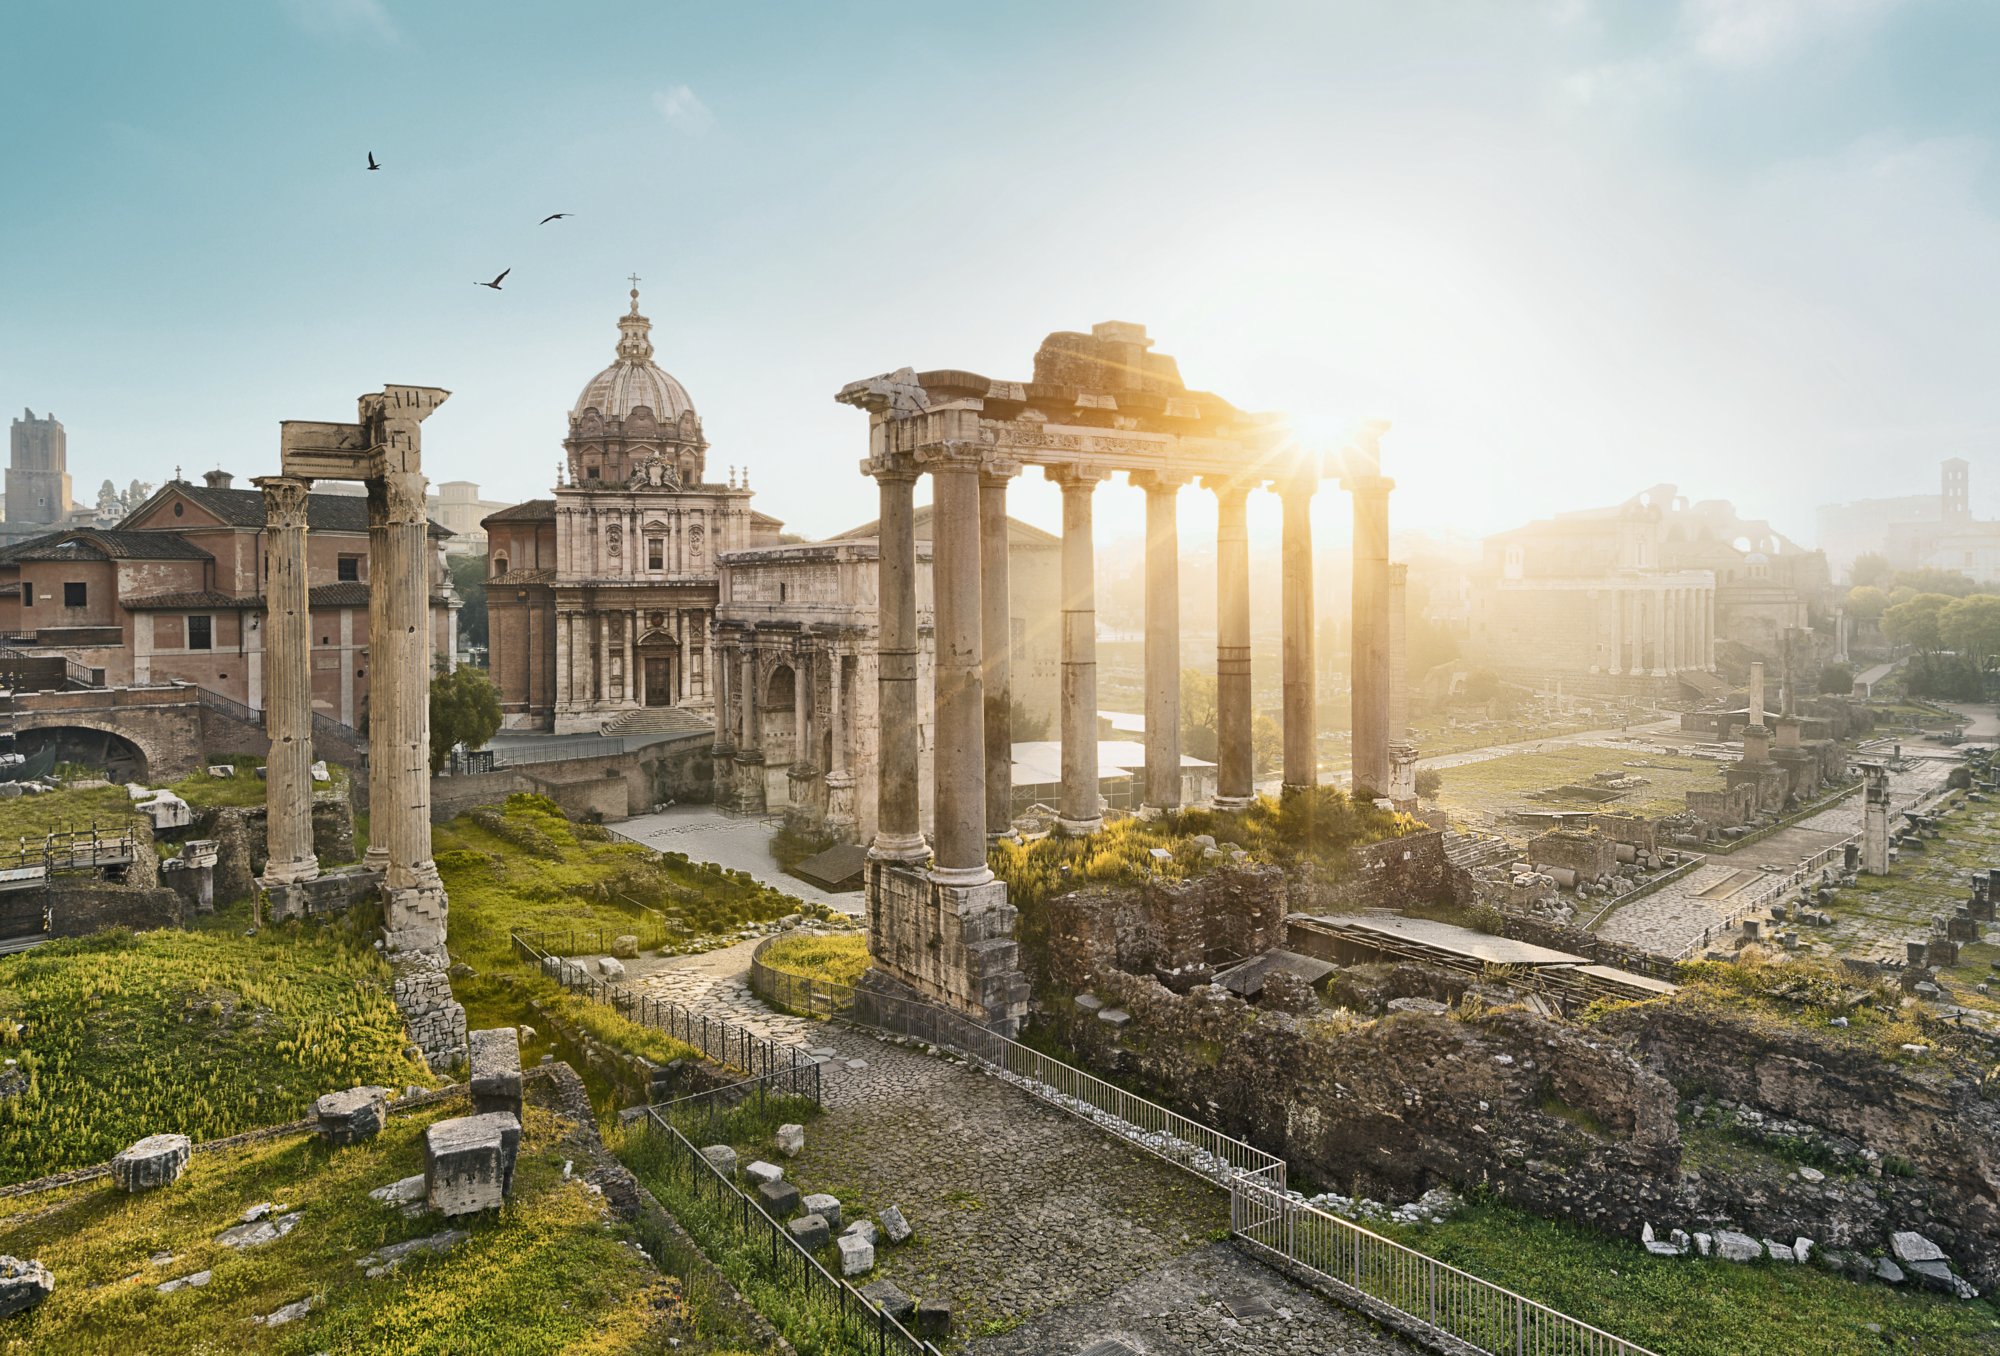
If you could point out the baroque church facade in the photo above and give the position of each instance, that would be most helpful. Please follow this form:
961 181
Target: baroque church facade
601 600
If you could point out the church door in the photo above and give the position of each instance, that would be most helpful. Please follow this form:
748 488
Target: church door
659 688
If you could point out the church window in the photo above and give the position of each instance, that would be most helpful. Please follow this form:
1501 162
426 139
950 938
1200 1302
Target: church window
656 553
200 633
590 473
76 595
28 595
347 569
499 566
781 592
179 509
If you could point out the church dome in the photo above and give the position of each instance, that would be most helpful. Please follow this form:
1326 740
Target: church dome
634 380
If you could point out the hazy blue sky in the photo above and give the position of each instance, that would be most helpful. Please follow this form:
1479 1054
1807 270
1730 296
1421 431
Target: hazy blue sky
1570 249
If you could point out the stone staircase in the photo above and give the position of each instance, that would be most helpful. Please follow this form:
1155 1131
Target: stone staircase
1469 851
654 720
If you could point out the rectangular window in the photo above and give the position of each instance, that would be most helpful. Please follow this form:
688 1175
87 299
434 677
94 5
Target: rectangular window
200 634
656 553
76 595
348 569
28 595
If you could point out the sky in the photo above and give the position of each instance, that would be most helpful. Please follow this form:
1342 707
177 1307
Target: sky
1570 250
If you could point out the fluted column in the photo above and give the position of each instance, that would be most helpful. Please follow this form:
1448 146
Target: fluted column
1296 588
407 614
287 685
725 743
1708 630
1370 699
382 691
1082 809
898 831
960 763
997 637
1163 639
1234 780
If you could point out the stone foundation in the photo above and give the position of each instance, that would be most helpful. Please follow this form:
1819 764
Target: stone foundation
953 944
323 895
436 1020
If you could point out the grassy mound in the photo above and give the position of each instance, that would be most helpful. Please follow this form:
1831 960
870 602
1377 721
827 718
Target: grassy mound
551 1272
824 960
206 1033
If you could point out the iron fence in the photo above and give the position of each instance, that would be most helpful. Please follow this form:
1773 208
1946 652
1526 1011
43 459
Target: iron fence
786 1260
1374 1273
720 1041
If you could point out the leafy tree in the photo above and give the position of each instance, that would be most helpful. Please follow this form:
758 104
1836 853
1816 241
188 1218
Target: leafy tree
1025 726
1836 678
1869 569
465 709
1916 622
468 579
1948 582
1429 782
1198 715
1267 744
1866 603
1971 626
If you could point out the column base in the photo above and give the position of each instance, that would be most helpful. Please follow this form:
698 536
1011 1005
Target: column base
962 877
950 944
899 848
375 858
1287 788
1232 804
278 874
1150 812
1079 828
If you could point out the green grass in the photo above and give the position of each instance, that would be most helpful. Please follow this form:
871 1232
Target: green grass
1497 785
1693 1307
205 1033
550 1272
32 817
825 960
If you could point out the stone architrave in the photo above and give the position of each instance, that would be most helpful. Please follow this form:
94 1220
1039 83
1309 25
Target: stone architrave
287 685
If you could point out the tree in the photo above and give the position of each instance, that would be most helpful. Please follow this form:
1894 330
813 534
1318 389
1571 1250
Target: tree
1198 716
1025 726
1866 603
1971 626
1429 782
465 709
1948 582
1836 678
1915 622
1869 569
468 580
1267 744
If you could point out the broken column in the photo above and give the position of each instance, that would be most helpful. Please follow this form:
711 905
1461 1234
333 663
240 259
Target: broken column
1875 819
1756 716
1363 478
287 686
495 1060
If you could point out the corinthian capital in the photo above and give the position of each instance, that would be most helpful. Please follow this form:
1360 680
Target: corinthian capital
284 501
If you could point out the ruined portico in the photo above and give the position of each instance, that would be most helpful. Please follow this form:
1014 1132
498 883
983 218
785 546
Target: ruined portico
382 450
1099 404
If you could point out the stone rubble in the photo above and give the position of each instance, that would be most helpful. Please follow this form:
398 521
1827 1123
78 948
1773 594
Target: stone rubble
24 1283
469 1162
155 1161
857 1254
382 1261
791 1140
254 1233
199 1278
352 1116
297 1309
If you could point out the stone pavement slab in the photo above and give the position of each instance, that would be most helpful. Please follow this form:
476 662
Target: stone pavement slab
741 843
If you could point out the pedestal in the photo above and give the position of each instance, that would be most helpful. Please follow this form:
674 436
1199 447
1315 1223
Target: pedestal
953 944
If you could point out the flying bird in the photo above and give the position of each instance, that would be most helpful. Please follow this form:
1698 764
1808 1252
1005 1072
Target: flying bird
371 161
553 216
495 284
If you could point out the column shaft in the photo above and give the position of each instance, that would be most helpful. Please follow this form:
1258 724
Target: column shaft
960 765
1617 630
898 833
383 657
407 614
997 637
1235 781
1082 809
1370 699
287 685
1163 644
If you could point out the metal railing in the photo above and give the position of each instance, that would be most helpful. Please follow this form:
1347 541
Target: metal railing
525 752
721 1041
1146 1125
1376 1273
785 1258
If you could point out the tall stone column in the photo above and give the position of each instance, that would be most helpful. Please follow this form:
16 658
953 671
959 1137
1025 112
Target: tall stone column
1673 627
287 685
1757 693
997 638
1875 820
1082 809
1235 784
1617 630
960 762
1708 630
1656 602
1399 652
1370 490
406 584
1301 715
1163 639
382 693
898 831
839 781
600 691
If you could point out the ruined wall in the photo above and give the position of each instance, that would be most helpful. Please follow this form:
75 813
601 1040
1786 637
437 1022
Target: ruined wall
83 905
1591 856
613 787
1160 926
1396 873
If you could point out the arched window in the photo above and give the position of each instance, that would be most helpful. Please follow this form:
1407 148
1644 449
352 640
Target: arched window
778 692
499 566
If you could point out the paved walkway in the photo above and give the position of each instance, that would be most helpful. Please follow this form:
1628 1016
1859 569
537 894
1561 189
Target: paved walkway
1677 915
1608 737
1044 1234
741 843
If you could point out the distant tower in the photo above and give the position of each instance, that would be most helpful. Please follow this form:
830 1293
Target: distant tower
38 471
1957 491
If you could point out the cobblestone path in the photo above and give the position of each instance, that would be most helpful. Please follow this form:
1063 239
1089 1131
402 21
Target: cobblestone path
1677 914
1030 1222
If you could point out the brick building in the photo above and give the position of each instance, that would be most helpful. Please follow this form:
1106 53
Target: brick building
175 593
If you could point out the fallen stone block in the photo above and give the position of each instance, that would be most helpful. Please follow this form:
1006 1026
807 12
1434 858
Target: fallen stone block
791 1140
1908 1247
857 1255
400 1192
1802 1249
469 1162
382 1261
297 1309
722 1158
894 1227
1779 1252
495 1058
611 967
1888 1272
825 1206
255 1233
1089 1003
933 1320
761 1172
1731 1246
625 946
155 1161
352 1116
810 1232
1116 1018
1934 1276
890 1299
197 1279
24 1283
779 1199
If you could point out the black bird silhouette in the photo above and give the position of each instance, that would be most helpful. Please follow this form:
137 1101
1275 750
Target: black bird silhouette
371 161
495 284
553 216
